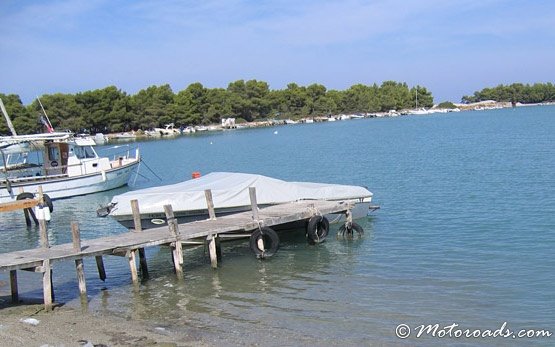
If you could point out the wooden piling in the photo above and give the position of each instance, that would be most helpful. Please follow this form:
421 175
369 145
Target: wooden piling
100 267
47 285
131 257
76 236
210 204
254 204
79 266
212 251
13 285
176 246
143 267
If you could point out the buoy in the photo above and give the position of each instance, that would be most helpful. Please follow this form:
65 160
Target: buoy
195 174
47 214
39 212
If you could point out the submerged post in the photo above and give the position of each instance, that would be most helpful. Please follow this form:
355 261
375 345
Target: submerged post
177 248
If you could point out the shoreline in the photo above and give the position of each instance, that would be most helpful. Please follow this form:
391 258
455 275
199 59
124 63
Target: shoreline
477 106
31 325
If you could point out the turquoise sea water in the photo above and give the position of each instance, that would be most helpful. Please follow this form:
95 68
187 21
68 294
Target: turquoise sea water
465 235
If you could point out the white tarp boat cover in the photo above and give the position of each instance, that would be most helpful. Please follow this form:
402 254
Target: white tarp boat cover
230 190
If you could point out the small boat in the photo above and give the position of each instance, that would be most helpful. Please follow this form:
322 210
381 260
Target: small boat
230 193
167 130
64 165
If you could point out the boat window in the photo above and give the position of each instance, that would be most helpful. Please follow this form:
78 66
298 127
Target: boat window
53 153
89 153
84 152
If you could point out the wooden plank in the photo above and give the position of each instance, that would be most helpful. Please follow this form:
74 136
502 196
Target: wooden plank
18 205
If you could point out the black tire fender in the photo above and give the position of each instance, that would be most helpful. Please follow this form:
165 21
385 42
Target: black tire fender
357 228
268 238
350 231
48 202
317 229
25 195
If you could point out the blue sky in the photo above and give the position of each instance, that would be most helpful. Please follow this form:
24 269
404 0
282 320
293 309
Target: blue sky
451 47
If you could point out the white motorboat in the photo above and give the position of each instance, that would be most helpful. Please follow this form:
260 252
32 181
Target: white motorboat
62 164
167 130
230 192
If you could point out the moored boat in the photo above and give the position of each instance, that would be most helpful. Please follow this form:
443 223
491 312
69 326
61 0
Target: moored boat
62 164
230 193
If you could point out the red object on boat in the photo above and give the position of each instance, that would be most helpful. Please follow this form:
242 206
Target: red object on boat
195 174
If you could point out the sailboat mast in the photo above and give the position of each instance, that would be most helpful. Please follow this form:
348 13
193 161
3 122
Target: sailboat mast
416 97
8 120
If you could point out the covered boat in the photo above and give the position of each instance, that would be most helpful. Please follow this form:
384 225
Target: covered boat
230 193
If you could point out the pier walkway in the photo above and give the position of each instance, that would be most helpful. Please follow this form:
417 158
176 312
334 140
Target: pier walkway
132 243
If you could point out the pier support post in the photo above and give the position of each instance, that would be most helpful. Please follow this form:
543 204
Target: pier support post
47 285
79 266
214 250
143 267
13 285
100 267
254 204
133 265
210 204
177 247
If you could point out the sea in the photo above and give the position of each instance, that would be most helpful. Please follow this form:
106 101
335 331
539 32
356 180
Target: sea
461 248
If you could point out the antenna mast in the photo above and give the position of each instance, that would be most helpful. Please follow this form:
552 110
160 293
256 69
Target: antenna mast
8 120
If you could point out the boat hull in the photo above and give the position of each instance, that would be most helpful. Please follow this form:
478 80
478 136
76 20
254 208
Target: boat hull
65 187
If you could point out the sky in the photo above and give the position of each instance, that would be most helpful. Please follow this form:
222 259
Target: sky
453 48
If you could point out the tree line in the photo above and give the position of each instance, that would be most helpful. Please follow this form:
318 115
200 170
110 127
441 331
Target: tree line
112 110
516 92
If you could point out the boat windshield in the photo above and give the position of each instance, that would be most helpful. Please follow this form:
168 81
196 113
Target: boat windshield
83 152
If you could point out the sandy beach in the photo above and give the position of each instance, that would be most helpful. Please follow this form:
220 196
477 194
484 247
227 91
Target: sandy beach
30 325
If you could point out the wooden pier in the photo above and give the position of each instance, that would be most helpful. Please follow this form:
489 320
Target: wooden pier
132 244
